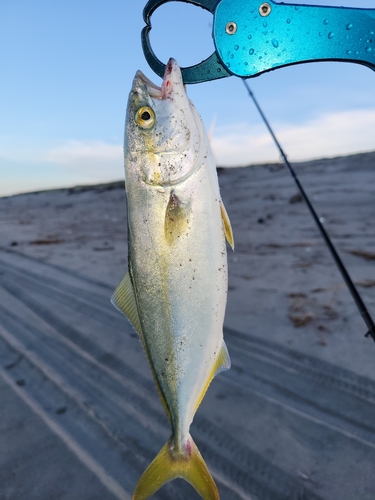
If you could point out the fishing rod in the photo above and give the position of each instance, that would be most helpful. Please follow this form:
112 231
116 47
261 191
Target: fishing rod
344 273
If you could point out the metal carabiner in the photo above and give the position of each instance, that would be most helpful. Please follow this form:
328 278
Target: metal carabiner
209 69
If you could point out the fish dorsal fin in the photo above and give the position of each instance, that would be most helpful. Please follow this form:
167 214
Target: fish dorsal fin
222 363
123 299
227 225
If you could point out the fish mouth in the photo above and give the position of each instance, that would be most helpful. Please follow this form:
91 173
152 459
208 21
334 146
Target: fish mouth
153 90
172 72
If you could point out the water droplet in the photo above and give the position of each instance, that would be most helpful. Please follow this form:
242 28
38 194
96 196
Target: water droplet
228 65
252 10
275 43
265 24
349 52
219 70
320 33
325 22
246 63
288 21
370 32
251 52
249 37
231 56
296 7
331 35
368 49
349 26
260 57
236 47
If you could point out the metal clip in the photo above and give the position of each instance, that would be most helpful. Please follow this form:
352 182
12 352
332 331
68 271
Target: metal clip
209 69
252 37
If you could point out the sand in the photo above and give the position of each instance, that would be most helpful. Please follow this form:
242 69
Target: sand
283 283
292 419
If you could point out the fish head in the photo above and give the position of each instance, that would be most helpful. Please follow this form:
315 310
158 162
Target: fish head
163 133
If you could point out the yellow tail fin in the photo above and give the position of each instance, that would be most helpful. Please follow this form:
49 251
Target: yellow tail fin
167 466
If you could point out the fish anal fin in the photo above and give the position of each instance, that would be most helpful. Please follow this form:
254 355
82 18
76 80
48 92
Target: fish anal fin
124 300
222 363
168 466
227 225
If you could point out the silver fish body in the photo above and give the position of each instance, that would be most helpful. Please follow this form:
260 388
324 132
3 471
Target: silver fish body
176 289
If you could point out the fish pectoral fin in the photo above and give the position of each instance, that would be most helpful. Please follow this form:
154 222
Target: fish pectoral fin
123 299
227 225
168 466
176 220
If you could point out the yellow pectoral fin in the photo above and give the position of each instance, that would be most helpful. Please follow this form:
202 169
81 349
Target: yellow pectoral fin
227 225
167 466
124 301
176 220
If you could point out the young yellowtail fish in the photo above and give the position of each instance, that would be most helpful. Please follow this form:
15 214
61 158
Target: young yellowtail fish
176 289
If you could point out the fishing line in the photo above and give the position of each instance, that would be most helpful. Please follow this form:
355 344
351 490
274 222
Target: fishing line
344 273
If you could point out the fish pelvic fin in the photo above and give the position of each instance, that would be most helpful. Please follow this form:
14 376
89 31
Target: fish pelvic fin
227 225
169 465
124 300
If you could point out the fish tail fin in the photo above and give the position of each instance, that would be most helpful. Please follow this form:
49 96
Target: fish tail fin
169 465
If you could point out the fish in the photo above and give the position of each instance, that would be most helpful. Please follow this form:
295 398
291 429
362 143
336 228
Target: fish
175 290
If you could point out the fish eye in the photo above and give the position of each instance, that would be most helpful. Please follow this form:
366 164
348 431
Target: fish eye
145 117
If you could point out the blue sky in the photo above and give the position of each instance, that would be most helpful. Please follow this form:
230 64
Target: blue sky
67 68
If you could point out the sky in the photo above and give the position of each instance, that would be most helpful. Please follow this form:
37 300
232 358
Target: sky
67 69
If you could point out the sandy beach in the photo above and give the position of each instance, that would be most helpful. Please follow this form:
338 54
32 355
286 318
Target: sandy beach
283 283
293 417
